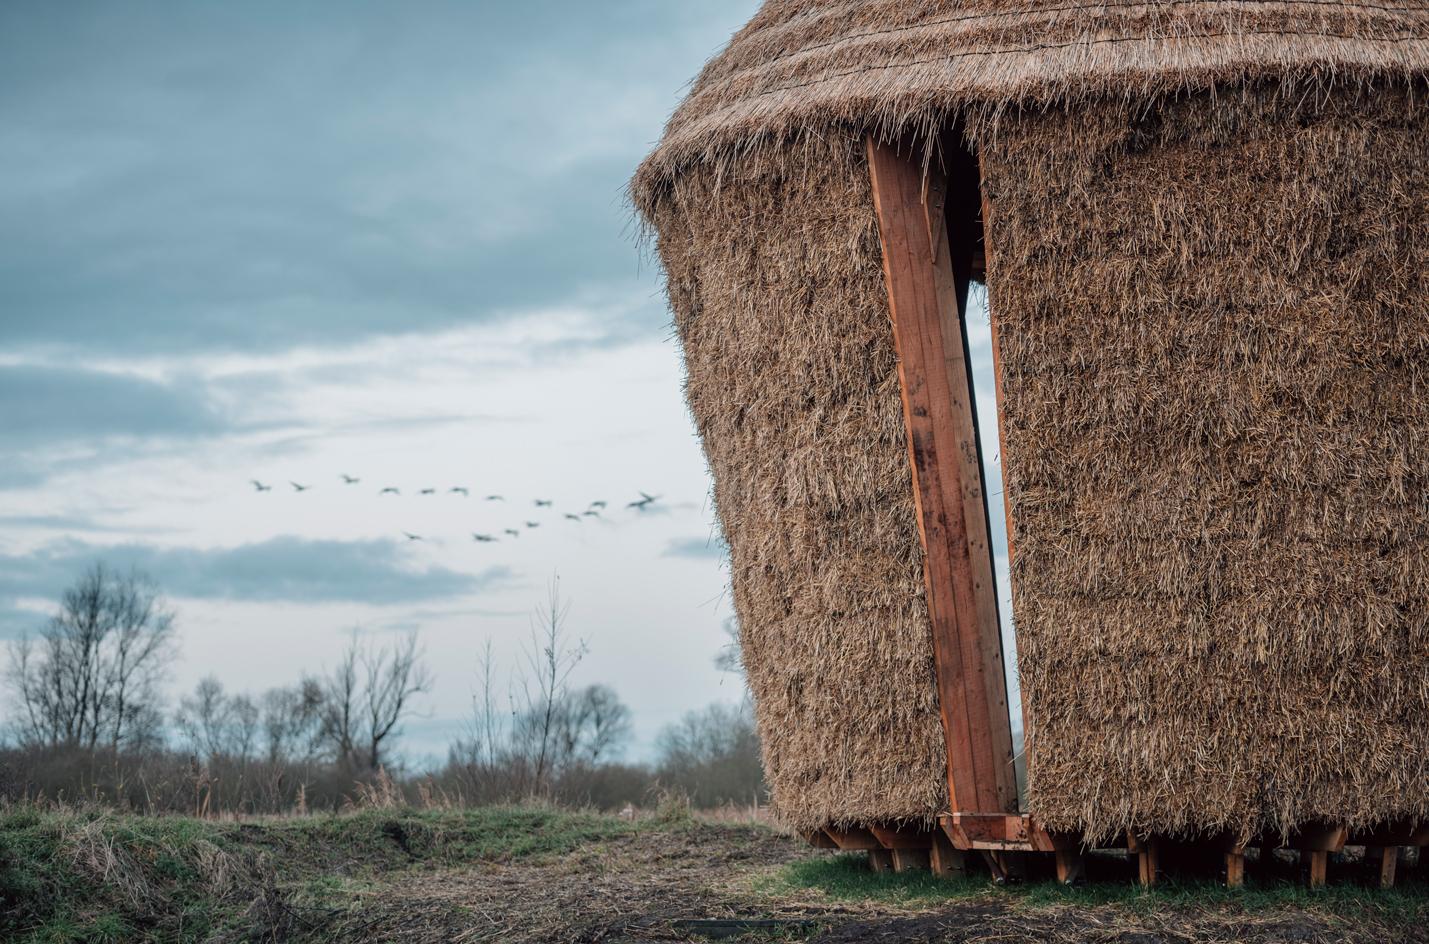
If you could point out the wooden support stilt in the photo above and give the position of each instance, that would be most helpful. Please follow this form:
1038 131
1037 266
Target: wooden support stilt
1148 860
880 860
994 865
1071 865
910 860
944 860
1384 862
1235 867
1317 861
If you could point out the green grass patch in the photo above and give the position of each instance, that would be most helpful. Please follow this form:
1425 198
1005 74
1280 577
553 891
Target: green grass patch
846 877
94 876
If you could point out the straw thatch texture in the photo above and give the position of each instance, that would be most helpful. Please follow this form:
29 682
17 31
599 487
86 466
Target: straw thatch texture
801 66
1214 326
777 288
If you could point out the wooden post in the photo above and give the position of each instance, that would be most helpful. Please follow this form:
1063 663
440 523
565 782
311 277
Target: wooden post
1317 861
944 860
1071 864
1235 868
1148 859
947 480
910 860
880 860
1384 860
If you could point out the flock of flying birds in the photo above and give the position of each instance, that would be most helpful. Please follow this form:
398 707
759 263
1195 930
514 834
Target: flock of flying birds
595 509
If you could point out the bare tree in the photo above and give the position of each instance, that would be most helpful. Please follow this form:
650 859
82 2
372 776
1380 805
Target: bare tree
291 721
550 660
92 675
367 696
394 677
485 728
339 714
592 725
204 719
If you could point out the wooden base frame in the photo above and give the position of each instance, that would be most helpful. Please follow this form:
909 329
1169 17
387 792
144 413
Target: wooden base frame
1006 844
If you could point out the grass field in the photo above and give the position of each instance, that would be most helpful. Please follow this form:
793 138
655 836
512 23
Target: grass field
532 874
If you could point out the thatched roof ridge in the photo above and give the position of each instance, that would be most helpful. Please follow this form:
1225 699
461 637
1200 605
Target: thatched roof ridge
802 66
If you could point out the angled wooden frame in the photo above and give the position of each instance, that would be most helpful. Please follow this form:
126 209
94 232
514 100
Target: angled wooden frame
926 299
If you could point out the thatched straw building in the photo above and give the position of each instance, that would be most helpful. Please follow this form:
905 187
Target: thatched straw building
1204 228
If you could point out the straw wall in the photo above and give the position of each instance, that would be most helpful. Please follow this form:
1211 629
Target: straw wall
1214 322
777 288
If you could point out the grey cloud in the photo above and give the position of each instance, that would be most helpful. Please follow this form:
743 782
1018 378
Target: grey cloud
58 403
283 569
259 175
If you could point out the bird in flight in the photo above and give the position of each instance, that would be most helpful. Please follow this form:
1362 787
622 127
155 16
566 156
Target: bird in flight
598 504
483 538
575 518
299 488
533 524
459 490
543 503
590 513
259 486
411 536
429 491
496 498
349 479
646 500
513 532
389 490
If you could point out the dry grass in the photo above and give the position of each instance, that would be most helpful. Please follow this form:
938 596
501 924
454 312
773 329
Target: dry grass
1212 308
802 68
1215 353
792 381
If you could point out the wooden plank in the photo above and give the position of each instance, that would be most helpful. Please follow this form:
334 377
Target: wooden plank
1071 865
1383 862
853 840
947 483
1319 837
895 838
1148 858
910 860
944 860
820 840
1235 869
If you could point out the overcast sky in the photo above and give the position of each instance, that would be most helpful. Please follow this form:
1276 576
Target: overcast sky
288 241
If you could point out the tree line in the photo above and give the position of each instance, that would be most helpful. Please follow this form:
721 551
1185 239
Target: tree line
90 723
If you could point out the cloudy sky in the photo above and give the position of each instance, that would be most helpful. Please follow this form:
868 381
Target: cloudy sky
287 241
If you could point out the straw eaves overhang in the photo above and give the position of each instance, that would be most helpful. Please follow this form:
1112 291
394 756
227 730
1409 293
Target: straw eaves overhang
801 67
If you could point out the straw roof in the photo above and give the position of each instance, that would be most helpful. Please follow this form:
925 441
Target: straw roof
801 66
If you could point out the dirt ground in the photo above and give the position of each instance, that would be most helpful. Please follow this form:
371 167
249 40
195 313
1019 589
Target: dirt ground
713 883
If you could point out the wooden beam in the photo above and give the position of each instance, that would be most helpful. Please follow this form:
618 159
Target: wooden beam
1148 860
1317 862
820 840
944 860
895 838
1384 862
910 860
1235 868
947 480
1071 865
853 840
